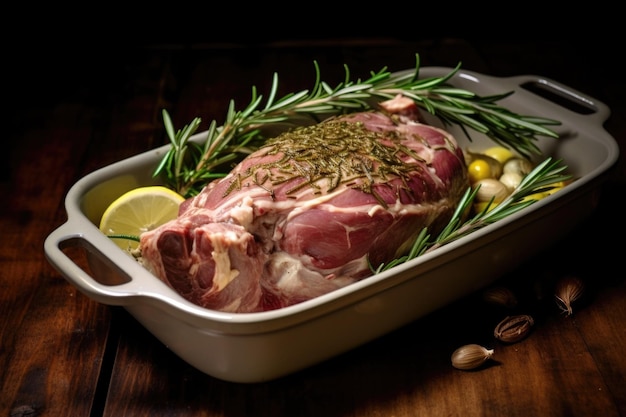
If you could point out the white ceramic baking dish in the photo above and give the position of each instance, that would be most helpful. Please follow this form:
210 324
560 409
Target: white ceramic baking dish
264 346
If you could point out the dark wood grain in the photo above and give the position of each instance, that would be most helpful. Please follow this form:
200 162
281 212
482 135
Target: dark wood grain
64 354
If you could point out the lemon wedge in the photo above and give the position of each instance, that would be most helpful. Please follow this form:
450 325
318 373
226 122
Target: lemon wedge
137 211
499 153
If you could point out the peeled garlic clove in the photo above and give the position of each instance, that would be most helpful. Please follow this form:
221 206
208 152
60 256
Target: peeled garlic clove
491 188
470 356
511 180
518 165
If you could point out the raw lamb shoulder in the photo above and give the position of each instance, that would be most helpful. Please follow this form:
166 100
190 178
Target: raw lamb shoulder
310 211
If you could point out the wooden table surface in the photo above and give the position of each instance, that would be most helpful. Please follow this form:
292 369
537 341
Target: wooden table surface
73 110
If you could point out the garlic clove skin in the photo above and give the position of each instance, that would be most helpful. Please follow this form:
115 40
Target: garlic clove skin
568 289
512 329
470 356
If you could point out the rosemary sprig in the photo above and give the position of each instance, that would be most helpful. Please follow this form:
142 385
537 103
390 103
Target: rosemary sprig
540 179
189 165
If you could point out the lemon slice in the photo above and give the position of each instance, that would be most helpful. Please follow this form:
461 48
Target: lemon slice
137 211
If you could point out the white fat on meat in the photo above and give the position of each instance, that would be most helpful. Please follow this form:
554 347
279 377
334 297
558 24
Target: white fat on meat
307 213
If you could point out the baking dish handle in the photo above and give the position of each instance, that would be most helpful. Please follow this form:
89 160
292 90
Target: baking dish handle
578 103
72 253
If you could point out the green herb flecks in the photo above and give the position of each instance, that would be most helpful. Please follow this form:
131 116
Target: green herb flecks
325 155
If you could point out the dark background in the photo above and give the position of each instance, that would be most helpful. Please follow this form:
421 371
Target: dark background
83 87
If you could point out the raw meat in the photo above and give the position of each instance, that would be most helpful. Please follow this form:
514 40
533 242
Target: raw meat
304 215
